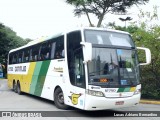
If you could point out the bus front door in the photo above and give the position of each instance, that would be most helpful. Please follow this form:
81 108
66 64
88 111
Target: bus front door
77 79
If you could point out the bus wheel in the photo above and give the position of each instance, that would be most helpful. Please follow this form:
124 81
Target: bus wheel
59 99
19 89
14 87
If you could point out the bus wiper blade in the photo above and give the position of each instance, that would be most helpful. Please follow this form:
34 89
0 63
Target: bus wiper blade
96 71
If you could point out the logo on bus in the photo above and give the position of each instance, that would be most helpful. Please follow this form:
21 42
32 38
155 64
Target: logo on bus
58 69
74 98
20 68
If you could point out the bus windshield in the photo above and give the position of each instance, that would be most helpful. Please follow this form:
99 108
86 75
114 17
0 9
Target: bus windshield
108 38
112 66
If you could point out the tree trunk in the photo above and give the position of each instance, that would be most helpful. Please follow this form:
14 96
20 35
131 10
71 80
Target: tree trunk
89 20
91 25
100 20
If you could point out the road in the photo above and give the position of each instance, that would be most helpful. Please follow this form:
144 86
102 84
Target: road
11 101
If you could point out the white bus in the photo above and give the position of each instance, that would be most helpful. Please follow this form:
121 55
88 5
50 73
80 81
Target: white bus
86 68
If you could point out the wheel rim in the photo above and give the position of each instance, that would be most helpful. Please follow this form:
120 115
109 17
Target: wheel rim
60 98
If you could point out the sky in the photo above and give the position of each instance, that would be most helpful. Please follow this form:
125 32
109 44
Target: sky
36 18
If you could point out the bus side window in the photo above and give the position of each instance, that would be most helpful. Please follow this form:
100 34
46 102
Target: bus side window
14 59
59 48
48 51
26 55
31 57
53 47
10 58
20 54
22 57
45 51
34 53
17 58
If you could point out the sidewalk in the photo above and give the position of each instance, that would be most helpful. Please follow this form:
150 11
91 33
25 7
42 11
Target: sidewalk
144 101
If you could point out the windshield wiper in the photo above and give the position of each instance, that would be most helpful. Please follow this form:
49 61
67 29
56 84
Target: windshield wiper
96 71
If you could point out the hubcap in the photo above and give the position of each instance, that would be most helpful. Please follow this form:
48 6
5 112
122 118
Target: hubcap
60 98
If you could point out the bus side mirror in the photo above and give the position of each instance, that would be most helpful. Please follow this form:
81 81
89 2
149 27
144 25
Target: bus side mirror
87 47
148 55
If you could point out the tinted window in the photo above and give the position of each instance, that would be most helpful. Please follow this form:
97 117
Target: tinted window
59 50
10 58
34 53
75 59
45 51
108 38
26 55
51 49
19 57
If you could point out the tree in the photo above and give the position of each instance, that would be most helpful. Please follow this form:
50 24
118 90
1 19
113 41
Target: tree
101 7
125 19
150 74
9 40
146 34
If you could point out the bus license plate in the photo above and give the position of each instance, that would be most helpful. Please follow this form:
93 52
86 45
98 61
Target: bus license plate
119 103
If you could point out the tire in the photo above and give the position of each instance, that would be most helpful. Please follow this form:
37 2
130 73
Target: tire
14 87
19 88
59 99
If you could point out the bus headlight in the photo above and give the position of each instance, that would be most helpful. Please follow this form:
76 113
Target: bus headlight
95 93
138 91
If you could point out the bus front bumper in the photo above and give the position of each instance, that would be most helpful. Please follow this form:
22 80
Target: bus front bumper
102 103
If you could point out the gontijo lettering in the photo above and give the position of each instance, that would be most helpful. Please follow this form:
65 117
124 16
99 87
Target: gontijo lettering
20 68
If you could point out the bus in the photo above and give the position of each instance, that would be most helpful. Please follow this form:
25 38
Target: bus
1 70
86 68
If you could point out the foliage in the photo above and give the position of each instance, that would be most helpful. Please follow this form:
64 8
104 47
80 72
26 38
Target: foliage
9 40
147 35
150 75
101 7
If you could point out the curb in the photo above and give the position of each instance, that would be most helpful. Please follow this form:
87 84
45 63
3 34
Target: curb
150 102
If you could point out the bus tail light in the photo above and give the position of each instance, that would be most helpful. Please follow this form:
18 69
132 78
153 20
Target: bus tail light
95 93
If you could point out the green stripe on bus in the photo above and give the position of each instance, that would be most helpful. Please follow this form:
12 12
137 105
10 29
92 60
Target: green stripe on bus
128 89
41 77
35 77
121 90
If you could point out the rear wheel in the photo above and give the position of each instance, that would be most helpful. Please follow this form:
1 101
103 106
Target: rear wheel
14 87
19 88
59 99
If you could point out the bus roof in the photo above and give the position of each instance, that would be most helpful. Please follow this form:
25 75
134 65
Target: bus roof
94 28
45 38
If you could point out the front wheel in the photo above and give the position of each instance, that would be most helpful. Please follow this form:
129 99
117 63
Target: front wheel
59 99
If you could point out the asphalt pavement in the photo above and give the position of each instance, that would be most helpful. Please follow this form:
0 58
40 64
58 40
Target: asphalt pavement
3 86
